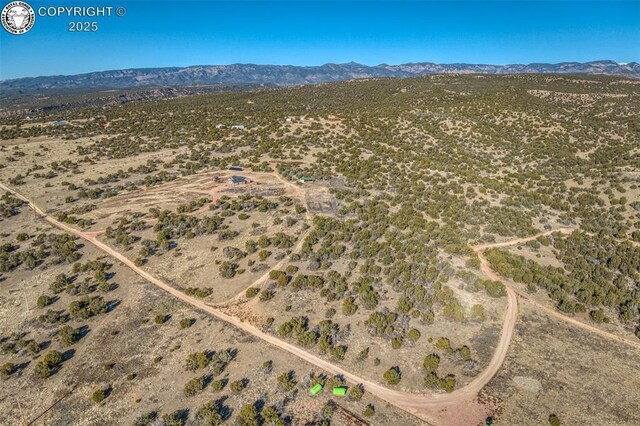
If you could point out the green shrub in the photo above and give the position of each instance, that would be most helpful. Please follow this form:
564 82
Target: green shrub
287 381
494 288
356 393
7 369
210 414
369 410
263 255
68 335
88 306
218 385
251 292
186 322
228 269
43 301
237 386
267 295
248 416
444 344
392 376
193 386
49 364
291 269
197 360
431 380
431 363
99 396
198 292
414 334
348 307
448 383
478 312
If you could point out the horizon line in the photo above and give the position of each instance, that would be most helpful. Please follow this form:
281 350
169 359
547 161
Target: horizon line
318 66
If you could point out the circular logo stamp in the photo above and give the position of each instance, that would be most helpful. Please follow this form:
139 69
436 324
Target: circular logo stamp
18 17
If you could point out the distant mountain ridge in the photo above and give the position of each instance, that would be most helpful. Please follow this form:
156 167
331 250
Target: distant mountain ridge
283 75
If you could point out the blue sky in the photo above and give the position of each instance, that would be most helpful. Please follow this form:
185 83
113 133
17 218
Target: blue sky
182 33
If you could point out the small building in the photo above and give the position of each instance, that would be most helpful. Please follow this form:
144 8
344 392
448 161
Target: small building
304 179
340 390
315 389
238 180
235 168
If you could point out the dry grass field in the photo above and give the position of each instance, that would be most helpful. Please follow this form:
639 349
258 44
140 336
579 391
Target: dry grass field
553 368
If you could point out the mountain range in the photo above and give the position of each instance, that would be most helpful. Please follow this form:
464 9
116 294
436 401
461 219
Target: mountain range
282 75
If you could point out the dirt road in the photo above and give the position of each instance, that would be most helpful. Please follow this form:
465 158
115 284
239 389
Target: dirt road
486 269
265 277
483 247
457 408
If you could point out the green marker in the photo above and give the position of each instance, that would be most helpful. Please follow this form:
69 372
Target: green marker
316 389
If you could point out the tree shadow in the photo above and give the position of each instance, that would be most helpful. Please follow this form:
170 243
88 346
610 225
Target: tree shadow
259 404
82 331
68 354
181 415
224 410
44 345
21 367
208 378
112 304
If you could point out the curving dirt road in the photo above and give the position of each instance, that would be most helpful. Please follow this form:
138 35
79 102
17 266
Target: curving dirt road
457 408
486 269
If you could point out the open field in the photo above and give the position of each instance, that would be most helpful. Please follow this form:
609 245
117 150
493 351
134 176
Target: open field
551 362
